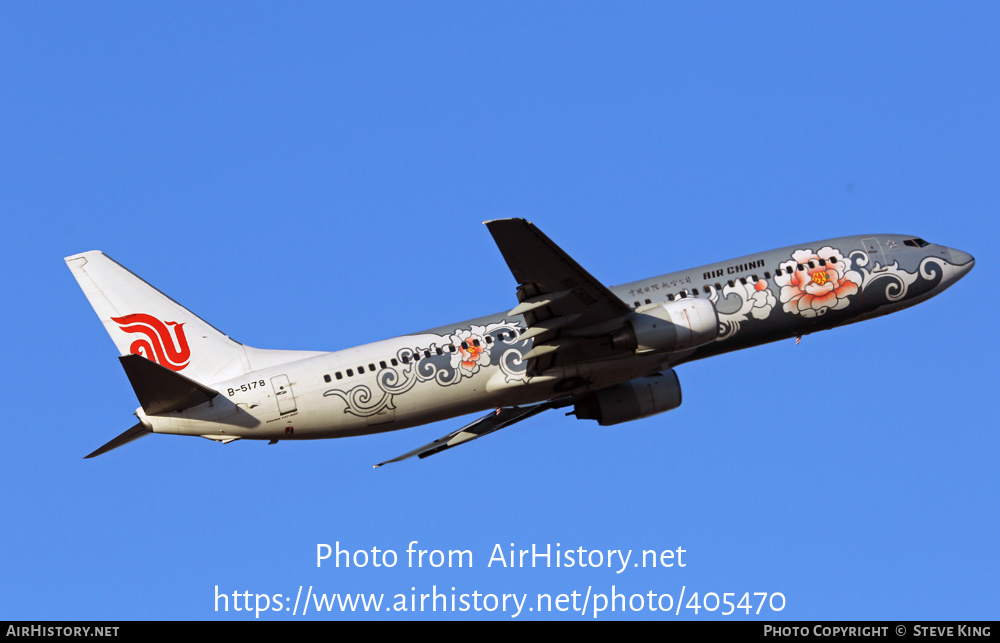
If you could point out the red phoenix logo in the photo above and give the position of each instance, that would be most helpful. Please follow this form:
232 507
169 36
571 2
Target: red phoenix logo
167 347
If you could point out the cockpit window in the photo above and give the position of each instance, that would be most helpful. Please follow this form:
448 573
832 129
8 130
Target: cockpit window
916 243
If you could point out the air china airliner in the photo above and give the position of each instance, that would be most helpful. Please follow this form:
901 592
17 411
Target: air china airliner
607 353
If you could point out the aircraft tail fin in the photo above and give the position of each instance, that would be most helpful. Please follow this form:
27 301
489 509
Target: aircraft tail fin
143 321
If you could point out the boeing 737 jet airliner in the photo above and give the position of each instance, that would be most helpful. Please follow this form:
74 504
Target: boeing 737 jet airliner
609 353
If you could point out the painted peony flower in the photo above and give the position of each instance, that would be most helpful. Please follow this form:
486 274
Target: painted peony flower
824 283
470 353
760 298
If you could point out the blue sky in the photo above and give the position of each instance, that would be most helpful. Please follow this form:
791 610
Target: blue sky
315 177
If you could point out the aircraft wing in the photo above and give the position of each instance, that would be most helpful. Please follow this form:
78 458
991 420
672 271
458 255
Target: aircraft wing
485 425
561 302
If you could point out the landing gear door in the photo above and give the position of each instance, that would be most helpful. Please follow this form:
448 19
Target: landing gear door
283 394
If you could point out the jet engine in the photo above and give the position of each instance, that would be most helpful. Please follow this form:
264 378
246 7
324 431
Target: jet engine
669 326
632 400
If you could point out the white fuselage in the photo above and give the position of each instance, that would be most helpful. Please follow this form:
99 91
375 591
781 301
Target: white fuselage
477 365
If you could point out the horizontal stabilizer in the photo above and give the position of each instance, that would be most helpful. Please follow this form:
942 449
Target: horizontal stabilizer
134 433
161 390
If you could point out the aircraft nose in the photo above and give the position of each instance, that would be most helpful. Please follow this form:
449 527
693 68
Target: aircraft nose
964 260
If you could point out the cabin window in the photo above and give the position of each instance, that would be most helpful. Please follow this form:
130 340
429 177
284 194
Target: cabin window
475 343
382 364
361 369
326 378
767 275
350 372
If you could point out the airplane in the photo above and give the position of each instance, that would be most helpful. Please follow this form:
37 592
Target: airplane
610 353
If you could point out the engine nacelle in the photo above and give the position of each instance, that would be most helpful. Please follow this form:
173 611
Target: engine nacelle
638 398
669 326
